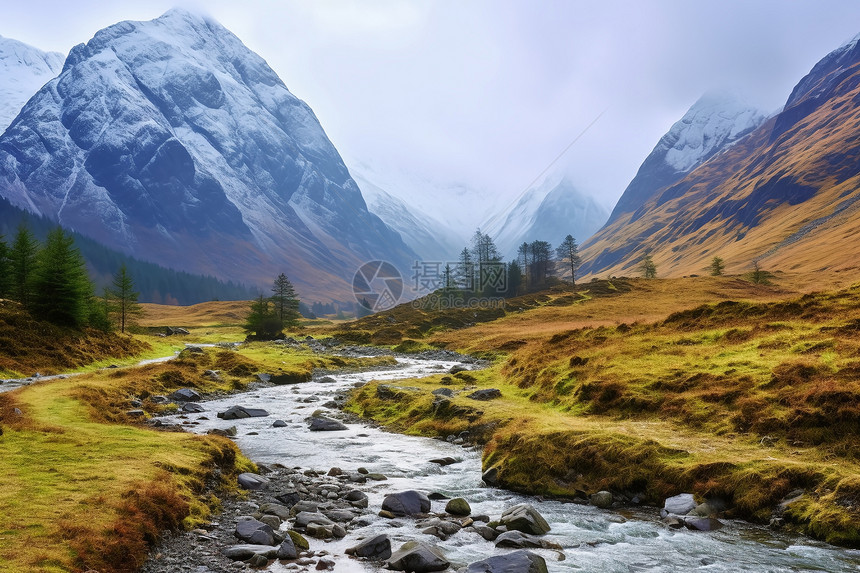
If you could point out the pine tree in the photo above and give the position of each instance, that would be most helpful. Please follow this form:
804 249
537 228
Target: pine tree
122 299
61 287
22 263
717 266
515 278
649 269
568 249
448 280
541 262
285 301
465 271
262 322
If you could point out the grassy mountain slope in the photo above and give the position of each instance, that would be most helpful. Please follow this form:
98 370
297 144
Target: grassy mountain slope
786 195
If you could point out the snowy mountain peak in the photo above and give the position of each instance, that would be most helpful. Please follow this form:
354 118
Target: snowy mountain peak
23 70
717 119
171 140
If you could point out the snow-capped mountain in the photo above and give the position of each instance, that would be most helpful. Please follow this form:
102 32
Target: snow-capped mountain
23 70
431 239
716 121
548 212
171 140
785 195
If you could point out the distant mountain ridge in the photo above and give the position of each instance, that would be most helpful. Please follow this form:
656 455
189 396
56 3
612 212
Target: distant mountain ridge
172 141
785 194
23 70
547 212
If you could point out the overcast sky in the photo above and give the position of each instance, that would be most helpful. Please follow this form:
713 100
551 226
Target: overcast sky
486 94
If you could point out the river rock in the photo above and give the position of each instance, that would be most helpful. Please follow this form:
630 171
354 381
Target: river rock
289 498
305 518
279 424
184 395
378 547
601 499
245 551
409 502
241 412
457 368
323 424
458 506
192 408
517 540
447 392
485 531
523 517
702 523
515 562
255 532
485 394
252 481
491 477
446 461
276 509
418 557
681 504
287 549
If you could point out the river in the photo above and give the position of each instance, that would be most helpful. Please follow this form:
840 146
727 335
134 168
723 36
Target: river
592 539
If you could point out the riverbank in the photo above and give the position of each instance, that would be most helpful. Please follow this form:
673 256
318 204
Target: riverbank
755 405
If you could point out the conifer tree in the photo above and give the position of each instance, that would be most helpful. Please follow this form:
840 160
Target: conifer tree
717 266
262 322
122 299
22 264
61 287
649 269
568 249
285 301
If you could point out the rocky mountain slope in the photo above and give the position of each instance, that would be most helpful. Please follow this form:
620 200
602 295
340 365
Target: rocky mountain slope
172 141
23 70
785 194
548 212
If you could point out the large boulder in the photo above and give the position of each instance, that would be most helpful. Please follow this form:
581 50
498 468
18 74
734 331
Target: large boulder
323 424
241 412
252 481
601 499
418 557
517 540
409 502
515 562
255 532
287 549
525 518
378 547
193 408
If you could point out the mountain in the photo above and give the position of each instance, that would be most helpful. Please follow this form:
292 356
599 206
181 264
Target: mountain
23 70
431 239
172 141
785 194
713 123
548 212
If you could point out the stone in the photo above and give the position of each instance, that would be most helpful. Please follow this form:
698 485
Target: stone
279 424
378 547
252 481
298 540
287 549
340 515
680 504
601 499
446 461
418 557
304 505
323 424
514 562
702 523
244 552
184 395
485 394
327 380
325 564
517 540
240 412
192 408
320 531
457 368
255 532
458 506
408 502
272 521
135 413
523 517
491 477
289 498
486 532
258 561
443 392
376 476
276 509
306 518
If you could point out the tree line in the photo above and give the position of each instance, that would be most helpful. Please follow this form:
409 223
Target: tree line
51 282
